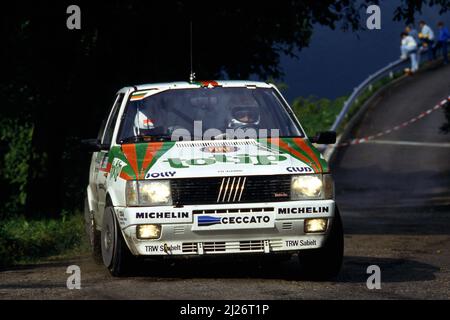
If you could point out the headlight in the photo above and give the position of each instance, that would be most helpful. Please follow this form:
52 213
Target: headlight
148 193
316 225
148 231
312 186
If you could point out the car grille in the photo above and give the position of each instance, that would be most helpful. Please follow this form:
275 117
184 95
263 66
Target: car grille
247 246
231 190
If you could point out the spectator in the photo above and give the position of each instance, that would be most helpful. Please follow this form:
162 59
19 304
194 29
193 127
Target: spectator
426 35
409 49
442 40
409 29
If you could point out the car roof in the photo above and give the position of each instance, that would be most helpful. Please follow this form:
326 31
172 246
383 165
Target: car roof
199 84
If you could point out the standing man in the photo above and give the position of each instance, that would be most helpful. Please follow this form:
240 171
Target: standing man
410 30
442 40
409 48
426 35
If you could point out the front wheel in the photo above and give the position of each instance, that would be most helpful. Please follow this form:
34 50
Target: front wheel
115 253
325 263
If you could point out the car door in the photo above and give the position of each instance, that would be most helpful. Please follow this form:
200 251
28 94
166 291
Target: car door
102 156
95 167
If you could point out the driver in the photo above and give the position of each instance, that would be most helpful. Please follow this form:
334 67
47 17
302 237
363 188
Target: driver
244 116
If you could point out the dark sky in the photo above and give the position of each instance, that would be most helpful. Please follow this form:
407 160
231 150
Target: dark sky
337 61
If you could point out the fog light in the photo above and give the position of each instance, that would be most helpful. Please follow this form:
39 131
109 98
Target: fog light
315 225
148 231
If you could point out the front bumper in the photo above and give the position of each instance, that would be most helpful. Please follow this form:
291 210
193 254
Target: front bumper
226 229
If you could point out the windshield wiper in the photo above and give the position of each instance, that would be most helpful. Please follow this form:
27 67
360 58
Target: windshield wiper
144 138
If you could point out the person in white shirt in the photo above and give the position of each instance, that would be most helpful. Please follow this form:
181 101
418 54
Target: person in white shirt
426 35
409 49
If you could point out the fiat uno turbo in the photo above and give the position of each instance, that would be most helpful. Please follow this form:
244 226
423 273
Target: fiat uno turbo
210 168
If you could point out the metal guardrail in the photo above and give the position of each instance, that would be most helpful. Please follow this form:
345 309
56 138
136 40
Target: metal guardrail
387 71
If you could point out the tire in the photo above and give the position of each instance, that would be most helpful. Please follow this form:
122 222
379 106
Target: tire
326 262
94 236
115 253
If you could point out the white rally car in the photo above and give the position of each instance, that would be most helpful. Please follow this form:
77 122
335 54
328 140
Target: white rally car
210 168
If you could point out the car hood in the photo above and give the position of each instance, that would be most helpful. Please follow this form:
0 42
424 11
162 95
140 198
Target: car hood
194 159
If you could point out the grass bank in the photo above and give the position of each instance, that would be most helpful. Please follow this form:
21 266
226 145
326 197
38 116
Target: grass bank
25 241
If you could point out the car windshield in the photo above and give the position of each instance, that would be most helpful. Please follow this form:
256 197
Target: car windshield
206 114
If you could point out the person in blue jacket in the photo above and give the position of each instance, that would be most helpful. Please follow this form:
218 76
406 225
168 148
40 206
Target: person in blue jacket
442 41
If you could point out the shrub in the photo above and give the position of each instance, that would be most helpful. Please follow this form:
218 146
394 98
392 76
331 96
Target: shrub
23 240
317 114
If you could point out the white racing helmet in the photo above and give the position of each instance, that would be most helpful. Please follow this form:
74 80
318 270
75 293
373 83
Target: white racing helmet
243 116
142 123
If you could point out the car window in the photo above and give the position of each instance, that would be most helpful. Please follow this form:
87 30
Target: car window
107 137
102 129
223 110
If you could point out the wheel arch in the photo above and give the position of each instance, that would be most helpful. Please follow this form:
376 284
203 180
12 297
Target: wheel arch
109 202
90 199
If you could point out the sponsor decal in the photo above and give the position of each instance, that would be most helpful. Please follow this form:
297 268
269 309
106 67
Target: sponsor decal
299 169
230 171
220 149
280 195
162 215
116 168
163 248
208 83
155 175
232 221
139 95
257 160
301 210
139 158
122 217
302 150
209 220
104 162
300 243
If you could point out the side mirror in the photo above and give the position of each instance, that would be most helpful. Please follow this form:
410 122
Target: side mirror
325 137
93 145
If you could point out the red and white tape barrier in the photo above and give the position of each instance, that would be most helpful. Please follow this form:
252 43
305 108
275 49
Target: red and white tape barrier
396 128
